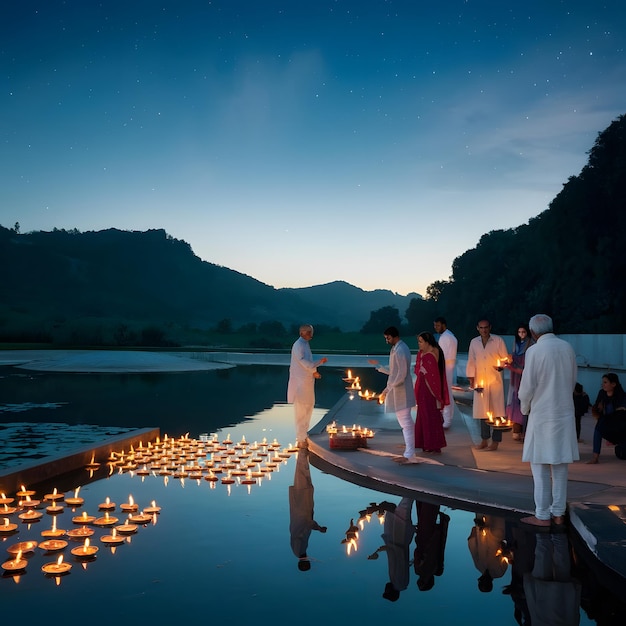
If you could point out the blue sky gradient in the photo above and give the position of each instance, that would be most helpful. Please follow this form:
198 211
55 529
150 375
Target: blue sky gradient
302 142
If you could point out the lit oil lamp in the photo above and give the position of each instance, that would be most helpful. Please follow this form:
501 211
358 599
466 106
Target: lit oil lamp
140 518
114 539
29 503
16 564
211 477
53 531
348 378
248 480
84 518
130 506
85 551
54 496
127 528
80 533
7 510
106 520
56 568
76 500
227 480
30 516
23 492
4 500
107 505
480 387
55 508
53 545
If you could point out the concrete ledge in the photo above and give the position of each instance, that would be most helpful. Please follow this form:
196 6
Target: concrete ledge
48 467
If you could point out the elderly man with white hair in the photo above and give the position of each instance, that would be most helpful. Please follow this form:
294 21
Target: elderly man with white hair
301 386
546 396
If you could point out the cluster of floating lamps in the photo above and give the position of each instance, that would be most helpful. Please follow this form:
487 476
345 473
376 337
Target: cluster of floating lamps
206 458
55 540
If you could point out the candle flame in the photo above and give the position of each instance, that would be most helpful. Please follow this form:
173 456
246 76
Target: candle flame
60 559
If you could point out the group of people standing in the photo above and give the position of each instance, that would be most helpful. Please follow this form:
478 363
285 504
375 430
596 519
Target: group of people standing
431 393
540 399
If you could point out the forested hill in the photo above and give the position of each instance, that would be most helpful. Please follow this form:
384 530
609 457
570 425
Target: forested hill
123 277
569 261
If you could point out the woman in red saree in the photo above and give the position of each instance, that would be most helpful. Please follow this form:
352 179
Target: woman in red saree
431 393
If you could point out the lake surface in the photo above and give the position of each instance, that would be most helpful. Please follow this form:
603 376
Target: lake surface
223 552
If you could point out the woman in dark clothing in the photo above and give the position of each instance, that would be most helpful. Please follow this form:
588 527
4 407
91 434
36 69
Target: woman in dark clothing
610 405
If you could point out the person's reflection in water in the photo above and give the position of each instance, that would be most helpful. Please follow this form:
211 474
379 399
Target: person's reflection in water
430 544
397 535
485 545
301 521
520 548
553 596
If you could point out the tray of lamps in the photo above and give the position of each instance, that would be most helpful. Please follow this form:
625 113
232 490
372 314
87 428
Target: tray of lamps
346 438
499 423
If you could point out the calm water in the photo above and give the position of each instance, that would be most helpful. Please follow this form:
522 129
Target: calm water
224 553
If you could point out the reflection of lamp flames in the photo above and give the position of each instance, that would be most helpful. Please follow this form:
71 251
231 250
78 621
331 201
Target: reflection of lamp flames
351 538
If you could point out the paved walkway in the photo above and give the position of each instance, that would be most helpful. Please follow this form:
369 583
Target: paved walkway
476 480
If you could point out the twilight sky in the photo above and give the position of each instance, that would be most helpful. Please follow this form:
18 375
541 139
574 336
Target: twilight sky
304 141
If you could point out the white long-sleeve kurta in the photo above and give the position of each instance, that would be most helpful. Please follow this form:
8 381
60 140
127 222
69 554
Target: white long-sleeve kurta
546 396
481 366
302 368
399 392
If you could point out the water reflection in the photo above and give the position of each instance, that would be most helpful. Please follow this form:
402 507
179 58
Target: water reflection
210 540
430 544
301 521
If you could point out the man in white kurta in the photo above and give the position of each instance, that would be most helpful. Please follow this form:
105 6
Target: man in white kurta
449 344
546 396
484 377
399 393
301 386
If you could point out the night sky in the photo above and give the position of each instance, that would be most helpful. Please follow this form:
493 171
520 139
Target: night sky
304 141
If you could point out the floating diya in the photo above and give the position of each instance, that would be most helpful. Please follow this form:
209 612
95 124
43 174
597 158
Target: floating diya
23 492
23 547
75 500
54 496
127 528
53 531
248 480
140 518
16 564
7 510
4 500
106 520
85 551
130 506
52 545
55 508
227 480
30 516
80 533
107 505
56 568
211 477
84 518
29 503
114 539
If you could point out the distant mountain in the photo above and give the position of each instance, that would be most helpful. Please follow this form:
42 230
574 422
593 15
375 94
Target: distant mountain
351 305
150 277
